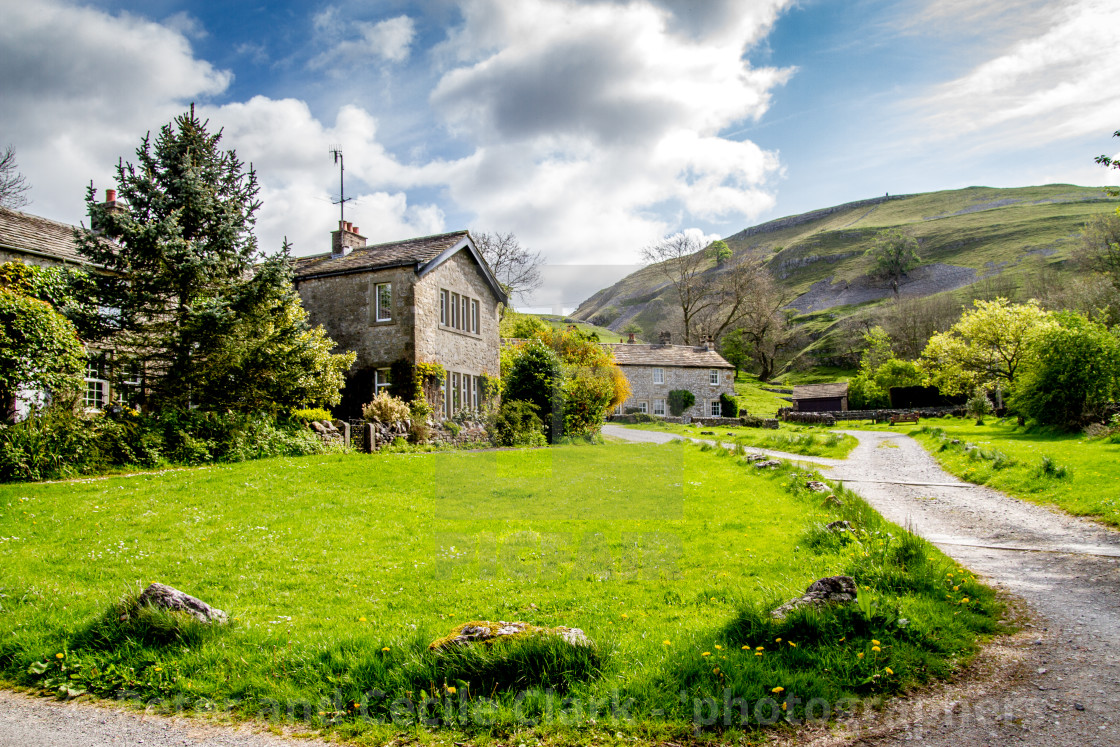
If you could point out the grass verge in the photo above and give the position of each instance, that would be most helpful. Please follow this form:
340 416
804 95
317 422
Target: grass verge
806 440
338 570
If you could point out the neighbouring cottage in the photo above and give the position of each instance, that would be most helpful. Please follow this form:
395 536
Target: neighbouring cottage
654 370
34 240
821 397
425 300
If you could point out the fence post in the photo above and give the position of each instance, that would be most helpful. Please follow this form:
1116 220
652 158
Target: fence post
367 442
346 434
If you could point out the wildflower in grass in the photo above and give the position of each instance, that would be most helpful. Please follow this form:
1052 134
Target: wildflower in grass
859 655
60 656
964 601
451 690
876 648
625 616
666 643
745 647
715 671
777 640
706 653
719 647
792 644
784 704
159 669
888 670
361 619
385 649
875 642
956 588
760 648
778 689
842 639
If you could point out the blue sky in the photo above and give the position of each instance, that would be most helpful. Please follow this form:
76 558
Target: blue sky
587 127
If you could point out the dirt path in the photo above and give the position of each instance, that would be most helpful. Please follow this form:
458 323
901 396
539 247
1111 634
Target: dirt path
1057 682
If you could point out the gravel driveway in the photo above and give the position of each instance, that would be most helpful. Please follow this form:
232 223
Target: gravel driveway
1055 683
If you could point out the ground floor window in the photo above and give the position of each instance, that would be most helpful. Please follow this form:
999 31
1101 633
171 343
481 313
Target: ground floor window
380 381
131 385
643 407
714 408
96 394
659 407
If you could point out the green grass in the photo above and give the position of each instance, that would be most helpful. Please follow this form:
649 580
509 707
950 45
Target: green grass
806 440
338 570
1067 470
756 401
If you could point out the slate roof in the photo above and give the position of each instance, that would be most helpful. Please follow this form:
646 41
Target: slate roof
22 232
379 256
668 356
819 391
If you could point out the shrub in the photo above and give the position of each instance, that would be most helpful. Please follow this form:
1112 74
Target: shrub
728 406
978 406
680 400
386 408
536 377
1047 467
516 424
309 414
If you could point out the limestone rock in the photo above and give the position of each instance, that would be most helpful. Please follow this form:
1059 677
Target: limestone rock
161 595
768 464
484 631
838 526
818 486
822 593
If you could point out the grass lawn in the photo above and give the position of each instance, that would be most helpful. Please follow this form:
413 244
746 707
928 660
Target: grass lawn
1067 470
757 402
338 570
807 440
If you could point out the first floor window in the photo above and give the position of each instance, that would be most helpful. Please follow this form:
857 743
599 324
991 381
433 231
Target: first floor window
380 381
384 300
713 376
658 376
474 316
715 408
455 310
97 386
643 407
443 307
659 407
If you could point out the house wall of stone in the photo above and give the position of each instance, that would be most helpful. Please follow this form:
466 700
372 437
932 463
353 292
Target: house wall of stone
7 255
455 350
695 380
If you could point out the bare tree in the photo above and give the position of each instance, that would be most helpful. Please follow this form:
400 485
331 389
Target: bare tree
13 185
682 261
1100 246
732 289
766 326
518 269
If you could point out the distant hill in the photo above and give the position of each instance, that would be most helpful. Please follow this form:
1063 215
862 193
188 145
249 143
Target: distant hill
965 236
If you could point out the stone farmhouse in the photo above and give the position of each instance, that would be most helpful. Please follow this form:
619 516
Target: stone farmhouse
425 300
654 370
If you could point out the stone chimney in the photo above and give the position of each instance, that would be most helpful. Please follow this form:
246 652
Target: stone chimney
665 338
111 205
631 340
346 239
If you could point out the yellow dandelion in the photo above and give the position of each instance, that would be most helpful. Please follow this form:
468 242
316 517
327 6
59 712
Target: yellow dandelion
759 648
888 670
778 689
842 639
875 642
451 690
625 616
385 649
876 648
784 706
758 653
719 647
745 647
792 644
859 655
159 669
706 653
777 640
713 599
964 601
956 588
60 656
361 619
666 643
715 671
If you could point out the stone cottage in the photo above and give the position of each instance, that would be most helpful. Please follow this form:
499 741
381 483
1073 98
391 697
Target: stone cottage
655 370
425 300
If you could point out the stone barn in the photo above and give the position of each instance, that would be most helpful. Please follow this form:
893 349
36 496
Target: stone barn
821 397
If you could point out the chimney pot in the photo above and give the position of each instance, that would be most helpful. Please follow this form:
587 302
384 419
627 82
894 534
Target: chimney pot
355 230
110 195
631 340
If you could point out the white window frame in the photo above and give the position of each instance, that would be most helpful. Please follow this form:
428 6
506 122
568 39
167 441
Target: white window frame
659 376
464 313
715 409
659 407
383 312
454 321
443 306
474 316
95 382
456 402
466 389
643 407
713 376
380 380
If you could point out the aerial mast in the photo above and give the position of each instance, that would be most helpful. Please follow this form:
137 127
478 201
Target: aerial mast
336 151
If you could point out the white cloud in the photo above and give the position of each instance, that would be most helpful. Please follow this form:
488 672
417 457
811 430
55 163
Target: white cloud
389 40
1050 84
595 123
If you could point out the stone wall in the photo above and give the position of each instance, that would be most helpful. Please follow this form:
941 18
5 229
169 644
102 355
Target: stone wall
694 380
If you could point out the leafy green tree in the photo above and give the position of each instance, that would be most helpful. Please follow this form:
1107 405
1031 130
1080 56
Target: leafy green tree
39 347
893 253
184 244
985 348
1073 370
1100 246
535 376
210 322
1110 163
735 349
879 371
720 251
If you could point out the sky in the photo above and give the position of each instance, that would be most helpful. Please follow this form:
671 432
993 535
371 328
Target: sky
589 128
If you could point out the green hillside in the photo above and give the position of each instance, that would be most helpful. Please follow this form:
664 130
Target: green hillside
968 238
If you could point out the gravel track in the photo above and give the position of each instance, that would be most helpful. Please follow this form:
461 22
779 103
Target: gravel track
1057 682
